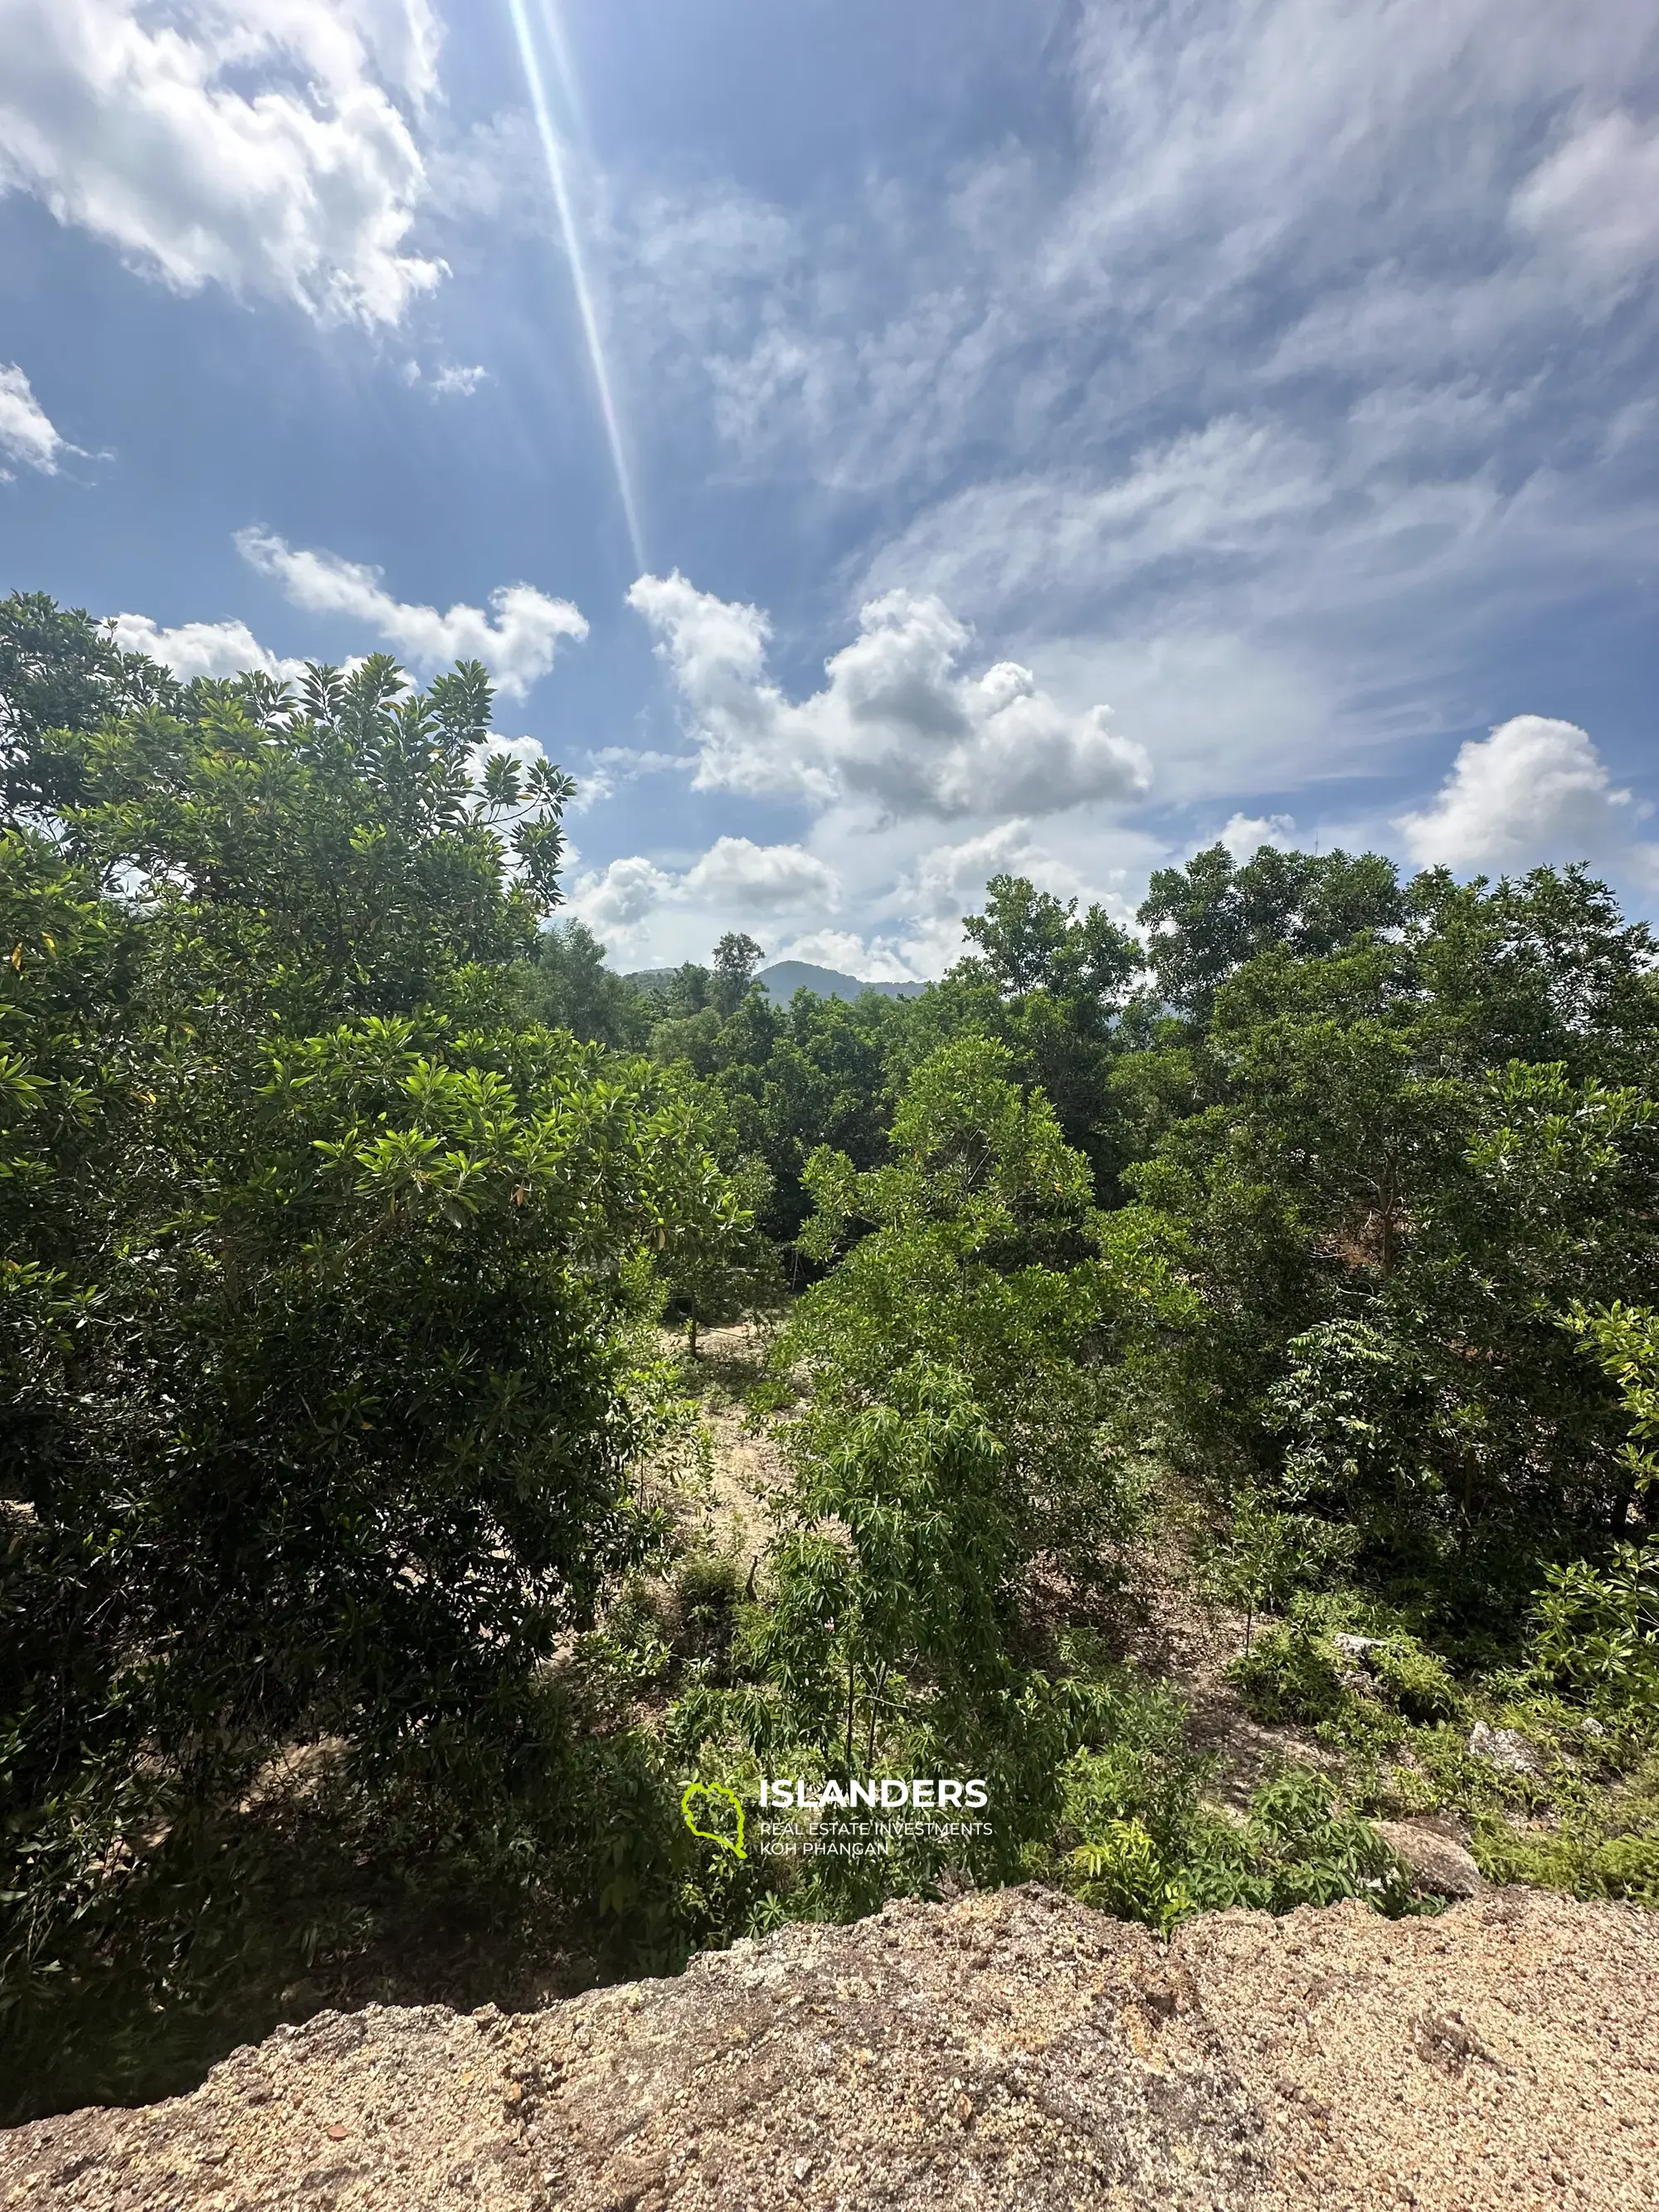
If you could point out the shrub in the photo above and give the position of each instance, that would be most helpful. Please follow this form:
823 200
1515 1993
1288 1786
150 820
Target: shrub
707 1589
1290 1674
1598 1628
1416 1682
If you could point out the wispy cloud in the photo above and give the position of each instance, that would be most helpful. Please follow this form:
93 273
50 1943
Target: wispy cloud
27 433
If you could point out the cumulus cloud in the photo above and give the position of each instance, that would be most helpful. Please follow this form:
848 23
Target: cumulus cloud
762 879
872 961
949 880
267 145
201 648
1244 835
1535 790
27 433
897 724
616 900
516 640
735 883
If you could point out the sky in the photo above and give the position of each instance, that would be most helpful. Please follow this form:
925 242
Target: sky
875 447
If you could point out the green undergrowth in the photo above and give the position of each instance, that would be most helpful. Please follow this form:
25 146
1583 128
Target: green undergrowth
1551 1761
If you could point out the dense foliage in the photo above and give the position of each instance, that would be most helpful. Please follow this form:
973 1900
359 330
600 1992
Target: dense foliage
363 1587
322 1272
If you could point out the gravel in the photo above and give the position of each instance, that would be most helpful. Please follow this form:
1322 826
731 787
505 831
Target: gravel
1012 2050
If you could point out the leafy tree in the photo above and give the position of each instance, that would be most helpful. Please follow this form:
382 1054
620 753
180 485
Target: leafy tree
1029 941
337 859
1051 986
976 1252
1624 1340
321 1280
717 1265
1385 1226
59 670
736 959
891 1639
569 987
1209 918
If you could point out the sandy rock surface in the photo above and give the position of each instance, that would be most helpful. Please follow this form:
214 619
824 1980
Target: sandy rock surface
1013 2049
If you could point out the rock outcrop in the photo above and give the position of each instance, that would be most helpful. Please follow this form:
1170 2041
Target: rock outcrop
1012 2050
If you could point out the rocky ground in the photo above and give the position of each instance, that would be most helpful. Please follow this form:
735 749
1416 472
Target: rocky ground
1012 2050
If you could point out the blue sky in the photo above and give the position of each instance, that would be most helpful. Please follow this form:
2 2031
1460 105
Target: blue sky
1043 437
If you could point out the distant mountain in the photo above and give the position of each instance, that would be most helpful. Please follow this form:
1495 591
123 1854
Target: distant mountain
783 979
789 976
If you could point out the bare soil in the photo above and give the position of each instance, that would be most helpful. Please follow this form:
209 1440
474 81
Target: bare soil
1012 2050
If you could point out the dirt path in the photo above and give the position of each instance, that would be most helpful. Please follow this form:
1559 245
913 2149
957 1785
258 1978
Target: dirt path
1179 1636
746 1468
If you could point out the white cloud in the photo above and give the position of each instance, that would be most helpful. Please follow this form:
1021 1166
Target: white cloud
463 382
267 145
616 900
201 648
1277 358
1535 790
761 878
734 884
897 724
26 431
1244 835
872 962
1592 203
450 382
1233 490
949 880
516 641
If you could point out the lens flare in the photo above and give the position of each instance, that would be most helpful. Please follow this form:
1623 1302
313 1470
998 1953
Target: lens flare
557 177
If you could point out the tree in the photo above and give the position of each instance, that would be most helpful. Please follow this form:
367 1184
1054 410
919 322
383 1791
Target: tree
1052 987
1030 942
569 986
1387 1221
736 959
1206 921
976 1249
59 670
322 1276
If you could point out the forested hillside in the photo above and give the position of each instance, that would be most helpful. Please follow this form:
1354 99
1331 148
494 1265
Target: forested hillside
370 1593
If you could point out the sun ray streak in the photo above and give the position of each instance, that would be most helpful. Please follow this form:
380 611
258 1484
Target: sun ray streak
558 179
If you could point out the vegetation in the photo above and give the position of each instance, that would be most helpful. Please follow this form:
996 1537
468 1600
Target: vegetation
368 1594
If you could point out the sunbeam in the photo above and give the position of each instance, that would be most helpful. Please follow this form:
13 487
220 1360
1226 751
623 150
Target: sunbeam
553 154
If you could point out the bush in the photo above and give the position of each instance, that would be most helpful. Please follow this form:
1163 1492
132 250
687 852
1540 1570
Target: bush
1291 1675
1580 1855
1415 1682
1299 1846
708 1589
1597 1629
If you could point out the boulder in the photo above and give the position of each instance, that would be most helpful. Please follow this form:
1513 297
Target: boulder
1504 1747
1439 1866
